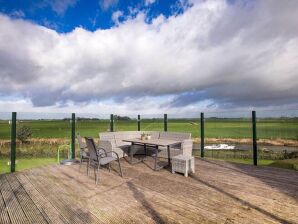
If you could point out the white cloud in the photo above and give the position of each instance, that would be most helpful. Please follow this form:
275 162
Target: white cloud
59 6
106 4
229 55
149 2
116 15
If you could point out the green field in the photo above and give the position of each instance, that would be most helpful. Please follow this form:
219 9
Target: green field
214 128
24 163
291 164
52 134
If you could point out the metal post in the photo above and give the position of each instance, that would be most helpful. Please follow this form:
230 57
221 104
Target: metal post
165 122
202 135
112 123
13 144
73 135
254 139
139 123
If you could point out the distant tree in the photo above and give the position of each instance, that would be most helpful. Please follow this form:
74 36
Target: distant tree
23 133
124 118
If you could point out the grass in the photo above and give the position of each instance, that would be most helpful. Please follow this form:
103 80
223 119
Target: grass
286 164
291 164
25 163
214 128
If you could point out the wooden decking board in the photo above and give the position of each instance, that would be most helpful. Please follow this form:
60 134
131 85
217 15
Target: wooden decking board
14 209
106 202
219 192
4 217
206 205
66 183
128 191
49 212
44 188
29 208
67 206
169 195
178 209
277 175
103 173
78 190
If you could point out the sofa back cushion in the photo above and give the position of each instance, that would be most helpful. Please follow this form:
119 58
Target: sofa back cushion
116 138
174 135
121 135
106 136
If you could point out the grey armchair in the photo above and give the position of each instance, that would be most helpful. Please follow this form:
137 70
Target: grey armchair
100 157
84 155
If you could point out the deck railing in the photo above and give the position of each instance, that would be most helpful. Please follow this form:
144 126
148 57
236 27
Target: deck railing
271 136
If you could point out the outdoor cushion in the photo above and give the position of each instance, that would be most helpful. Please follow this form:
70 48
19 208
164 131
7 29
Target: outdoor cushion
122 148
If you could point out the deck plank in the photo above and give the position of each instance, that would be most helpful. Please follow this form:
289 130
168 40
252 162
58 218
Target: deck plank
4 217
29 208
14 209
49 211
219 192
55 193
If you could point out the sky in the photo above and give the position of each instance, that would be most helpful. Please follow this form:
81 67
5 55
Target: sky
148 56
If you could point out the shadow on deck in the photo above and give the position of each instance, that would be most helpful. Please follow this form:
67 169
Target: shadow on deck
218 192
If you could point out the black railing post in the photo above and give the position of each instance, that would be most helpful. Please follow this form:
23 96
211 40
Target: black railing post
202 135
254 138
112 123
13 144
139 122
165 122
73 135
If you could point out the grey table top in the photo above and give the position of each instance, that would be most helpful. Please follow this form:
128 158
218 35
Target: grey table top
156 142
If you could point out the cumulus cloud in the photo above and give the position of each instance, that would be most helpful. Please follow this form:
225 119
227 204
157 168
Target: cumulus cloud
231 55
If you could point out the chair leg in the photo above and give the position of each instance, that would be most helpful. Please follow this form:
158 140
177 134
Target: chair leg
97 173
81 160
88 166
120 168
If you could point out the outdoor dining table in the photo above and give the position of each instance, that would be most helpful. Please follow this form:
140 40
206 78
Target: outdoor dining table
154 143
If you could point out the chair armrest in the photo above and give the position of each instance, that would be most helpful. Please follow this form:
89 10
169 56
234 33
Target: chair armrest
115 153
103 152
186 147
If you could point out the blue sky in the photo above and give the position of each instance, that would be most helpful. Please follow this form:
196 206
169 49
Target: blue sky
66 15
149 56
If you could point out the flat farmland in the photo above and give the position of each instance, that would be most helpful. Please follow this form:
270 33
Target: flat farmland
214 128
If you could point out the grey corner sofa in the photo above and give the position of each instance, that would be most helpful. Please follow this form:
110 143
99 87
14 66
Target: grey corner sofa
113 141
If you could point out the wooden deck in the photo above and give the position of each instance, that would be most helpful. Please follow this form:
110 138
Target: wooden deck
219 192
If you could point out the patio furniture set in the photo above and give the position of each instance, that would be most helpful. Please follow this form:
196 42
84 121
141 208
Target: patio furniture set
173 146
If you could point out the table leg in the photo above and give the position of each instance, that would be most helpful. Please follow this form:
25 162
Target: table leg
169 155
131 154
156 155
145 149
